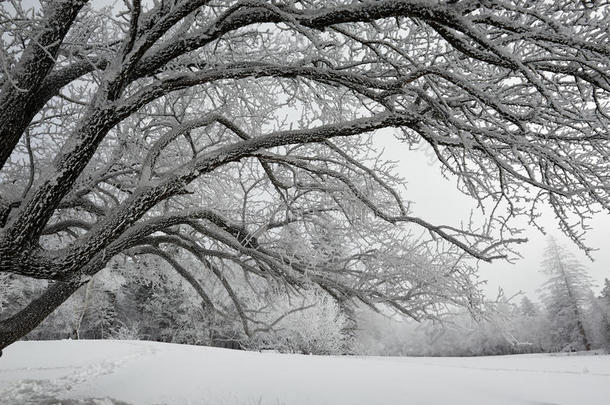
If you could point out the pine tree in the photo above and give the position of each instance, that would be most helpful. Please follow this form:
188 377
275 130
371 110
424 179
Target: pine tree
527 307
605 294
604 304
566 296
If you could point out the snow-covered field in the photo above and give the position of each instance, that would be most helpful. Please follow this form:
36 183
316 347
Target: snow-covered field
129 372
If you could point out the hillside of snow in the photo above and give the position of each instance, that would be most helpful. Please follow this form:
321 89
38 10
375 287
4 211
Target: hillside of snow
134 373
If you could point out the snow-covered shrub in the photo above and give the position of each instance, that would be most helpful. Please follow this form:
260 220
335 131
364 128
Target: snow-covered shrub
128 332
315 324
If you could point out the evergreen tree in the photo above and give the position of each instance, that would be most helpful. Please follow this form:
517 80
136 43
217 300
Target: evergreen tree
605 294
604 304
566 296
527 307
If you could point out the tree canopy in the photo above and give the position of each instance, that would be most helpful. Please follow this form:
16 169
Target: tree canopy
239 132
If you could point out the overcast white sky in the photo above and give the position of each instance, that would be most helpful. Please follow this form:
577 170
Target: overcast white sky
437 200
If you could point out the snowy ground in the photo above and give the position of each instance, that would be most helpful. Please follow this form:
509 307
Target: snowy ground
133 373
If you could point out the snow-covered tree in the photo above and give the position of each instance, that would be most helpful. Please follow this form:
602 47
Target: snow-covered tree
207 127
527 307
603 304
567 296
605 293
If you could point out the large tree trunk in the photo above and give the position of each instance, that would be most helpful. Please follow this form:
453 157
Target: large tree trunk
583 335
24 321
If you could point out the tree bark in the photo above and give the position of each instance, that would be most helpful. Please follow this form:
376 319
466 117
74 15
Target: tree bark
17 96
24 321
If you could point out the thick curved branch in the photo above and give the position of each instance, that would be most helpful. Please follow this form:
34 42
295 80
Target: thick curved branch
20 90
